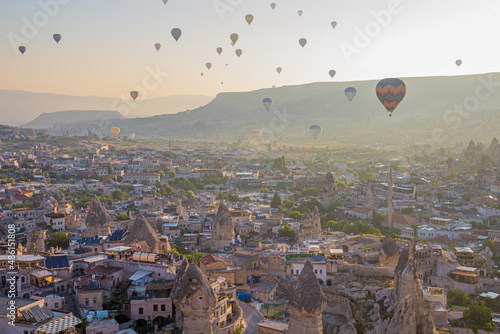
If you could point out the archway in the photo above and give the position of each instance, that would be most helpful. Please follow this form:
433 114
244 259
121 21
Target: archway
160 321
122 318
141 323
329 282
26 295
320 281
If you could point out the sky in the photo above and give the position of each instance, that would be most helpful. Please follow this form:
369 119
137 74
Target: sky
107 47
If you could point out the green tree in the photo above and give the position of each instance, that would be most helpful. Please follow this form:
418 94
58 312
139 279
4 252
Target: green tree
286 232
408 210
276 201
59 239
457 297
122 217
110 170
377 219
491 245
478 316
295 215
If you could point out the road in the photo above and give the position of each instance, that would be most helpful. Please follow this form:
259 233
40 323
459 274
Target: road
252 317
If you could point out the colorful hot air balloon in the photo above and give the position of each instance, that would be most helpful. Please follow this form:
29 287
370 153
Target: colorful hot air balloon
458 62
273 5
132 136
234 38
219 50
315 131
300 12
256 134
238 52
249 18
332 73
278 69
157 46
302 42
115 131
350 92
334 24
22 49
57 37
477 124
391 92
176 34
267 102
134 94
208 65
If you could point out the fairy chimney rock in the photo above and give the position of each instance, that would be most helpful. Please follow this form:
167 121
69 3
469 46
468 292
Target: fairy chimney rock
97 221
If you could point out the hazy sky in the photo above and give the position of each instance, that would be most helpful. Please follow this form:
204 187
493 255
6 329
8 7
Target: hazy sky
107 47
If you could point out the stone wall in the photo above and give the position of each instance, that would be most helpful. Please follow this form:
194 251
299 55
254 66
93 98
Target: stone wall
131 267
459 330
235 323
362 270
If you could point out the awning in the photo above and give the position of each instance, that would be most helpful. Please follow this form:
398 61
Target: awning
61 324
140 274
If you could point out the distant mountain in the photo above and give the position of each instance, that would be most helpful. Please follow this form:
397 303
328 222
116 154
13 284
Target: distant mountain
20 107
72 118
436 110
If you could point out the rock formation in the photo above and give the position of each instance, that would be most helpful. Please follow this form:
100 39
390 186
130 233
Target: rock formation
306 304
488 255
403 309
35 240
142 233
97 221
389 246
328 191
193 296
371 199
222 228
310 227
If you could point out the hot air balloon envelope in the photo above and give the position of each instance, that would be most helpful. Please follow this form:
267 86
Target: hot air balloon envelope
273 5
278 69
219 50
132 136
249 18
302 42
300 12
315 131
256 134
176 34
115 131
238 52
157 46
391 92
134 94
350 92
334 24
458 62
22 49
332 73
208 65
57 37
267 102
234 38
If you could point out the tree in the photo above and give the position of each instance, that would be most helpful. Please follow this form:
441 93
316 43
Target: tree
491 245
457 297
408 210
295 215
59 239
286 231
478 316
110 170
377 219
122 217
276 201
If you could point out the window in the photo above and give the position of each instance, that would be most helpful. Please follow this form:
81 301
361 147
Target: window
315 271
297 271
57 305
94 301
141 310
321 271
163 307
155 308
86 302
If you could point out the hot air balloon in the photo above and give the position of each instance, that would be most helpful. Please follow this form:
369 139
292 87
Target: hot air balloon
234 38
165 1
315 131
267 102
238 52
278 69
332 73
219 50
256 134
22 49
134 94
57 37
302 42
115 131
208 65
300 12
273 5
391 92
458 62
176 33
201 73
350 92
334 24
132 136
157 46
477 124
249 18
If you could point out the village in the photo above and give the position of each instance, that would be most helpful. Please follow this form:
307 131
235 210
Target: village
115 237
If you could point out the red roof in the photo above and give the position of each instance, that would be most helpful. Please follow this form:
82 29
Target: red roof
443 240
211 258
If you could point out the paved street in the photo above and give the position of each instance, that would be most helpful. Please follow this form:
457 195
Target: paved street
252 317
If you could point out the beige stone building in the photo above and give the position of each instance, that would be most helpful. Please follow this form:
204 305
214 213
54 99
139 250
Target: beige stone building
97 221
310 227
222 228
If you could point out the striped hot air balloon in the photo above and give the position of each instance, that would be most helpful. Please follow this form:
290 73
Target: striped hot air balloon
315 131
115 131
350 92
391 92
256 134
267 102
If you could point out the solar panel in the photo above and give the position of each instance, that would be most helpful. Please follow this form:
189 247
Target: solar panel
35 313
47 313
25 315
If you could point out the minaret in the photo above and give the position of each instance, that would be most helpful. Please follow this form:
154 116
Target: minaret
389 201
307 304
